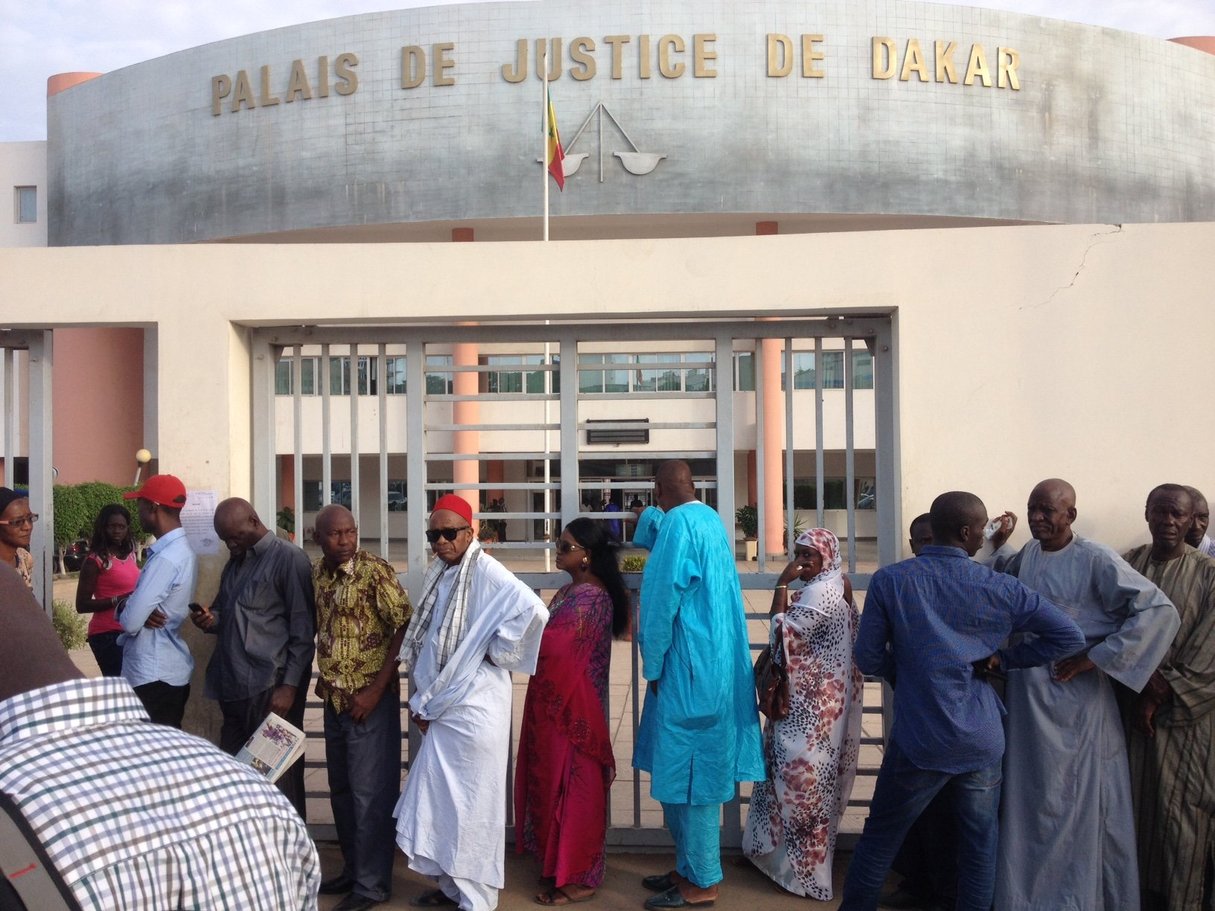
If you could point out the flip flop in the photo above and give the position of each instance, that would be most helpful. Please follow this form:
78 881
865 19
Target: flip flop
435 898
556 897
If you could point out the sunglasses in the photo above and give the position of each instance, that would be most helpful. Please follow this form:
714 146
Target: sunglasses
447 534
564 547
21 521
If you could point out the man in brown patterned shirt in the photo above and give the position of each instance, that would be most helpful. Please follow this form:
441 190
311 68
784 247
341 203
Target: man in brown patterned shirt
361 615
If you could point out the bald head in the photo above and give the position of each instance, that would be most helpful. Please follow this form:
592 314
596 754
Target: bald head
1051 510
336 534
673 485
238 526
957 519
31 655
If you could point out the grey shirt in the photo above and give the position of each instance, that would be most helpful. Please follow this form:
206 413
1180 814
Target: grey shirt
266 622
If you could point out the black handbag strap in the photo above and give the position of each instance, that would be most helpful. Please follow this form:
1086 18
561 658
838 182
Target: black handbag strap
30 879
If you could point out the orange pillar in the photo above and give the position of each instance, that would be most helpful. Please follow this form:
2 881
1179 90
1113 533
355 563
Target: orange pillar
61 82
773 404
466 442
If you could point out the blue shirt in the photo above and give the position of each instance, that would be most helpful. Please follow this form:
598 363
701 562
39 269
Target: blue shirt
166 582
925 621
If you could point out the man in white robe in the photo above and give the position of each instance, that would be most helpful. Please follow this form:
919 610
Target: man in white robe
1197 536
475 623
1067 825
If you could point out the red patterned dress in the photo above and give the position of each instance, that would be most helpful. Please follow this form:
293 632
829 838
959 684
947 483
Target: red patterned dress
811 755
565 764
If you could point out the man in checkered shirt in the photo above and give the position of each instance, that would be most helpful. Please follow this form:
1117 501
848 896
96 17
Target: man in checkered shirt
130 813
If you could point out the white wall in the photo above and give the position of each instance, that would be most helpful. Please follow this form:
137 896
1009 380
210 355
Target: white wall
1021 352
22 164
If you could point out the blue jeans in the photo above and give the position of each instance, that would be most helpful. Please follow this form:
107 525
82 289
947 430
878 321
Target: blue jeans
364 782
902 793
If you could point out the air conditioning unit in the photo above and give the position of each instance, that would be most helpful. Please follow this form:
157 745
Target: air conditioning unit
616 434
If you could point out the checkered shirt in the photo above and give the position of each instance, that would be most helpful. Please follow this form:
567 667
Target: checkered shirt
139 815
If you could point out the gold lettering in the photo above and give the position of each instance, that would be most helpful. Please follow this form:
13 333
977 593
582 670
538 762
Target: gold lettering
349 78
703 56
221 86
550 52
519 73
643 56
243 92
442 62
810 56
947 71
913 62
617 42
780 55
413 66
667 45
266 100
582 53
977 66
298 84
883 58
1007 61
322 77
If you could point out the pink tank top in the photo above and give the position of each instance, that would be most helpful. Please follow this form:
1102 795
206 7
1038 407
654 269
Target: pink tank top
118 579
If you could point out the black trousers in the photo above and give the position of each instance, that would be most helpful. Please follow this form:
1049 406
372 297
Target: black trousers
244 716
166 704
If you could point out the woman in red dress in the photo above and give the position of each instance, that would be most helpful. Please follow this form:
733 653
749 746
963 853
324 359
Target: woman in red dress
566 766
108 575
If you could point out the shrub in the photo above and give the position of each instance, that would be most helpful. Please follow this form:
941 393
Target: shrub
71 626
633 563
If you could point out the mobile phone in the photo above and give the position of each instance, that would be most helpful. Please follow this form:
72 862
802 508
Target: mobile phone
195 607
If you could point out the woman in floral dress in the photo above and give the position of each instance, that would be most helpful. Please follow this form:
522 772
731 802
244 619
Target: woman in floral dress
811 754
565 765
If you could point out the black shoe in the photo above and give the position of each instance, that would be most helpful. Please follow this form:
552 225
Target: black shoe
337 885
904 900
356 902
673 898
659 882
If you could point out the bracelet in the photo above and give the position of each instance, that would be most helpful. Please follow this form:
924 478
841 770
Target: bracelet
779 587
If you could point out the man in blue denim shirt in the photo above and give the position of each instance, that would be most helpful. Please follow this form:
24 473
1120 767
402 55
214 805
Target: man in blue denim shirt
155 659
933 627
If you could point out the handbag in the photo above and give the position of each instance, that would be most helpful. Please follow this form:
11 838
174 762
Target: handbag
772 681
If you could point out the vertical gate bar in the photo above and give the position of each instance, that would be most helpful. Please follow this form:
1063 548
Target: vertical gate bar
849 456
41 471
818 430
297 438
567 351
265 470
355 476
8 430
381 391
790 531
886 443
326 455
415 462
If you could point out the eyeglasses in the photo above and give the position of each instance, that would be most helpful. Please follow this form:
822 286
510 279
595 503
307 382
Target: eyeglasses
447 534
21 521
564 547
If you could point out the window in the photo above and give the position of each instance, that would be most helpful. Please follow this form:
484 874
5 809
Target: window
339 375
517 381
396 375
438 383
309 369
657 372
25 205
862 369
744 371
833 370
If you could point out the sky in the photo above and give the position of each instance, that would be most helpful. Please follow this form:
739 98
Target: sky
39 38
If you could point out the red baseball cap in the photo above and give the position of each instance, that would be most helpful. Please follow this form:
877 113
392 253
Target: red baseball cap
164 489
453 503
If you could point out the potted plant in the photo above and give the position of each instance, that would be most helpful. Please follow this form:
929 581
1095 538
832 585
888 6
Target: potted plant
747 518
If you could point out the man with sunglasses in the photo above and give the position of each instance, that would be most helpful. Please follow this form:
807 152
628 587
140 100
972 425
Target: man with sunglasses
475 624
155 659
361 612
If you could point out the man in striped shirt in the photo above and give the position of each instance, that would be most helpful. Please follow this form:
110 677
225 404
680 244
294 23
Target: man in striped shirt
1172 721
133 814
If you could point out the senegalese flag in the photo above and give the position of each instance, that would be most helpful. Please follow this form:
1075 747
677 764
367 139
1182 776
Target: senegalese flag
554 155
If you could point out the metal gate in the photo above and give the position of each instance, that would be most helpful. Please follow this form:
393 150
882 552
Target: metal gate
549 421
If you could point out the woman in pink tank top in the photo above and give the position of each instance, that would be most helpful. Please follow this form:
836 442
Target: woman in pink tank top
108 575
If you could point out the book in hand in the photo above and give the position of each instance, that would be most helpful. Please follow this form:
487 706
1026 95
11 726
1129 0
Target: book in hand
273 748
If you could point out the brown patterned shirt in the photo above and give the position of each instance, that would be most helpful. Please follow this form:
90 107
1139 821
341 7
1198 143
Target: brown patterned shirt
359 607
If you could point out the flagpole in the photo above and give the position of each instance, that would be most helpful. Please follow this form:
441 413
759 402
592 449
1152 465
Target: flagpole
544 136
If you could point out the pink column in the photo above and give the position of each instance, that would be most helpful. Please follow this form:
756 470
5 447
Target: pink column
466 442
773 405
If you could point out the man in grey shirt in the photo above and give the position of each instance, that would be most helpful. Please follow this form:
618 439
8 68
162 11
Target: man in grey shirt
265 617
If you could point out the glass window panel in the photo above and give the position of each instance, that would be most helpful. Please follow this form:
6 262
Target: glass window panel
862 370
309 368
803 370
339 375
833 370
744 372
27 205
282 376
396 375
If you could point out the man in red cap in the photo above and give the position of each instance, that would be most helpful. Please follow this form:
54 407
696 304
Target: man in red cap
475 623
155 659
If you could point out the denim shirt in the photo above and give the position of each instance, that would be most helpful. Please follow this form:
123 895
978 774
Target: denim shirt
167 582
925 621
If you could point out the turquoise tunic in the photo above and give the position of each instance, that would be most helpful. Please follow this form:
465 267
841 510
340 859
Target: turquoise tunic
699 734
